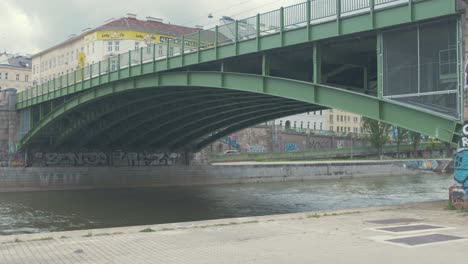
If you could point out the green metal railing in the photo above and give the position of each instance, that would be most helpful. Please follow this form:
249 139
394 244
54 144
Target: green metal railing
273 22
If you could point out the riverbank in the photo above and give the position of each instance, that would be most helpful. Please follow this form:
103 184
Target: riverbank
74 178
344 236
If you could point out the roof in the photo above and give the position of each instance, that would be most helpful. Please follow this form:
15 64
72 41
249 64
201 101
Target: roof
147 25
15 61
129 23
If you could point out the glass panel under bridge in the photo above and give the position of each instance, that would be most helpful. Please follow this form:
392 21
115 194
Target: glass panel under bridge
421 66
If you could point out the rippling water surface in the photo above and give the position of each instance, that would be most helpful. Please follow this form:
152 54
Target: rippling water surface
69 210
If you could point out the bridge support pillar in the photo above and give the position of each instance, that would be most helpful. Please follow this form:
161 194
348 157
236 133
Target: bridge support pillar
379 65
317 64
265 64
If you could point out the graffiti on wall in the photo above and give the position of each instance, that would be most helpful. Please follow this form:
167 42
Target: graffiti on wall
422 164
256 148
232 142
11 159
290 147
317 144
54 179
117 158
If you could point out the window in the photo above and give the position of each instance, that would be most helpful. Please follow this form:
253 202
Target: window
160 50
321 126
337 118
171 51
331 119
148 49
308 124
281 123
117 45
302 124
294 124
26 78
315 126
92 47
341 117
109 46
0 75
6 75
137 45
113 64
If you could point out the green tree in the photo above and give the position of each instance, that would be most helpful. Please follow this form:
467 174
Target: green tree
377 133
415 139
401 134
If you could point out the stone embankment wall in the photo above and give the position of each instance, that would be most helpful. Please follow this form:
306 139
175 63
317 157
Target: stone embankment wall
9 129
66 178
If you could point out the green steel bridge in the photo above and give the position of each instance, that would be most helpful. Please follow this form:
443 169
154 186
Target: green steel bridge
398 61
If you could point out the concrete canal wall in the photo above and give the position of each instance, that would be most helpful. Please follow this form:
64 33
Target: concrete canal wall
67 178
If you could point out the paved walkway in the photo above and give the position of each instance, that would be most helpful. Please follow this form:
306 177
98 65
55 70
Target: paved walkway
336 237
305 162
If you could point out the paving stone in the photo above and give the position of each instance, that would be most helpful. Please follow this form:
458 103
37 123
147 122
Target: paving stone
409 228
424 239
392 221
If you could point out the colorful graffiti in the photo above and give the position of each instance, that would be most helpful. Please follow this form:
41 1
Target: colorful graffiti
460 166
232 142
290 147
11 159
460 161
422 164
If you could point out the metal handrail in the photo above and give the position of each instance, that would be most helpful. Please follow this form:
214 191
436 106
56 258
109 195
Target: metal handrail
272 22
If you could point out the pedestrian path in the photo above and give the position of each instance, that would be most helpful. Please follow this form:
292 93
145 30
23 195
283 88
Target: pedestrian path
417 233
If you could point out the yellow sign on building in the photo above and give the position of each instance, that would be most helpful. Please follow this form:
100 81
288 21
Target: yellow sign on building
81 60
148 38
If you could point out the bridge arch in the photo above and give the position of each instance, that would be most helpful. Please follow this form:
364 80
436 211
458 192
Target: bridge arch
222 103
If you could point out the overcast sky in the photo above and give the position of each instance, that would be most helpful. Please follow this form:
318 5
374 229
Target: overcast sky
29 26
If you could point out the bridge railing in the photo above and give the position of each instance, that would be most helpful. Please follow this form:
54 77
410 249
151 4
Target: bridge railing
273 22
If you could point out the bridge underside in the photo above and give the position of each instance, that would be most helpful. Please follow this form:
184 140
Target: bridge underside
167 118
189 110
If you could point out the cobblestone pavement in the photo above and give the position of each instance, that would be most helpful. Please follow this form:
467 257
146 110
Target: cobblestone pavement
332 237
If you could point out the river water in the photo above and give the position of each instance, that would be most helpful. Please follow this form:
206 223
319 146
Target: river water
33 212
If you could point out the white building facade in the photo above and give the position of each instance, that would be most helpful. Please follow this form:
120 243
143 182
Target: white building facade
114 37
314 120
15 71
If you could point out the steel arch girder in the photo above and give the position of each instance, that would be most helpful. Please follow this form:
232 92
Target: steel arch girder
246 123
186 139
86 120
165 114
422 121
210 112
172 137
121 118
